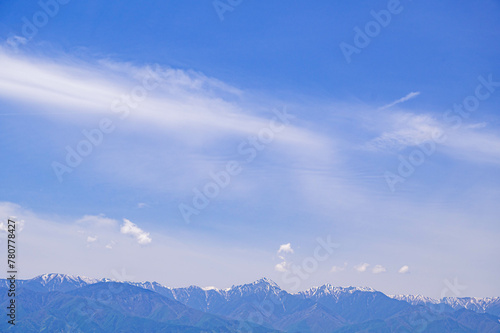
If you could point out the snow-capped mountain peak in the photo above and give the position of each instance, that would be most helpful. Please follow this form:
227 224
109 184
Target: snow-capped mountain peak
415 299
329 290
479 305
266 281
264 287
61 278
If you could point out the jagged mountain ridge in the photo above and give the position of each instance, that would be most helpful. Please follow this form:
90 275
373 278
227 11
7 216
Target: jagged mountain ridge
63 282
263 302
480 305
111 307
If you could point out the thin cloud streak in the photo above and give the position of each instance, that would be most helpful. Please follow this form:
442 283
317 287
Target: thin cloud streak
401 100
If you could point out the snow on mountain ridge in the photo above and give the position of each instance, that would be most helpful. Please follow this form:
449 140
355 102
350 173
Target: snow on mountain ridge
210 288
154 286
470 303
328 289
263 284
415 299
53 281
60 278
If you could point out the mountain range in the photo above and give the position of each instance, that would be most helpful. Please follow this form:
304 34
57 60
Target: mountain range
63 303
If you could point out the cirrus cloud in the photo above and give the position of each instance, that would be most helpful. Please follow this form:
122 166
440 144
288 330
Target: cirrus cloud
401 100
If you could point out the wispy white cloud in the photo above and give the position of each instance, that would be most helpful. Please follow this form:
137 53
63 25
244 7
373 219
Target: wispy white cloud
19 225
91 239
378 269
475 145
189 116
281 267
110 245
97 230
467 141
404 269
362 267
283 249
401 100
183 99
476 125
406 129
129 228
336 269
96 221
14 41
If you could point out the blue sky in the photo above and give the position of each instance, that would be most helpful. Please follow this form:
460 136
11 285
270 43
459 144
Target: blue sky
378 152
